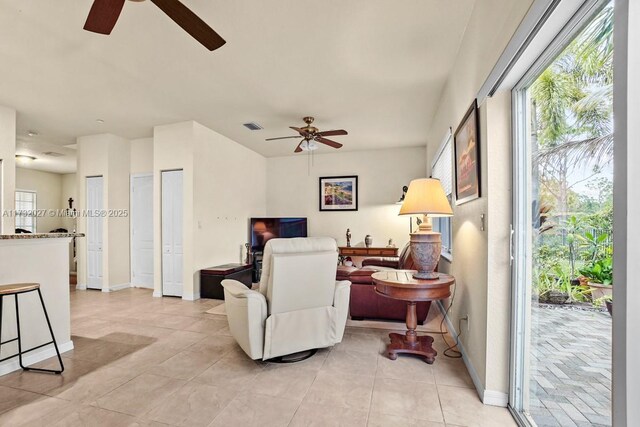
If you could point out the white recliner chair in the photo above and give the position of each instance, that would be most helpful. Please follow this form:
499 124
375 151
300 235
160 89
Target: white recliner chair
300 305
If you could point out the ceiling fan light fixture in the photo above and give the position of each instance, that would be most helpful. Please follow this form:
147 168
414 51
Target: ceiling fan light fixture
23 159
309 145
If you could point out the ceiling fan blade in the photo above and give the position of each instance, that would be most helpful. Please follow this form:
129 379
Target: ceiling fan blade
300 131
282 137
299 147
333 132
328 142
103 16
191 23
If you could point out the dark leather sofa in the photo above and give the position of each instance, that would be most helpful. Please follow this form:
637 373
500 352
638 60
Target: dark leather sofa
365 303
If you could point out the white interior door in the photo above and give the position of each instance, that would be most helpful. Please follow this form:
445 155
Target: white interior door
172 246
95 223
142 231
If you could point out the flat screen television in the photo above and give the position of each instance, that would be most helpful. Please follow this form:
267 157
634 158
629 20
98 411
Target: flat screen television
263 229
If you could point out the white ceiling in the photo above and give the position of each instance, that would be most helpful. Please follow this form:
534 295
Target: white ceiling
375 68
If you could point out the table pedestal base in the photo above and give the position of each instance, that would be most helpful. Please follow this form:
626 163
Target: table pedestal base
421 347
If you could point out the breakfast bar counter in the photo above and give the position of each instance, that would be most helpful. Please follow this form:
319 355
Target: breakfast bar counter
43 259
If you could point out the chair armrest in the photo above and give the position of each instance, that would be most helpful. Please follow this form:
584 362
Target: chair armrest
236 289
341 304
246 315
390 262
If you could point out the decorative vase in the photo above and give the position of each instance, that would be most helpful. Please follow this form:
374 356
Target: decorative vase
425 251
368 240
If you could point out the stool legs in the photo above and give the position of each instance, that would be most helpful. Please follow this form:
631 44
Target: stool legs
19 337
53 338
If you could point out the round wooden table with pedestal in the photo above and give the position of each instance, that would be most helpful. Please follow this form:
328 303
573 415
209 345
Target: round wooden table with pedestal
400 285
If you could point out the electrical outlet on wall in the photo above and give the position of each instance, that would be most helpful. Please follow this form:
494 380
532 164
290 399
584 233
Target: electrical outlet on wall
465 318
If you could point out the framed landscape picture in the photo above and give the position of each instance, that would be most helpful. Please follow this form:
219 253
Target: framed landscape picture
339 193
467 157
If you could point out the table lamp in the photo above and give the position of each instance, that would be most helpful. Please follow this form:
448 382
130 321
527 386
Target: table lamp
426 196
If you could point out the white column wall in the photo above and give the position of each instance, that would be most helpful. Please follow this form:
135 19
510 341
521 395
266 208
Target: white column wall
8 167
626 293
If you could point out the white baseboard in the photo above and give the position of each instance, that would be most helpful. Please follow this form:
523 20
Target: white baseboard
114 288
81 287
34 357
133 285
495 398
157 294
488 397
191 297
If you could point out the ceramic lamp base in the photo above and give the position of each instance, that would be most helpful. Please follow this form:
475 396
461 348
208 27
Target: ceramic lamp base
425 251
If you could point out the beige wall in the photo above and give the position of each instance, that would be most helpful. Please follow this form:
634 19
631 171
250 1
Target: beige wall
229 187
69 190
7 167
173 148
48 188
292 190
224 184
476 251
107 156
117 194
141 156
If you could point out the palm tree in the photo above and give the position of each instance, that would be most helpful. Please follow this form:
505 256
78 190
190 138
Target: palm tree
574 100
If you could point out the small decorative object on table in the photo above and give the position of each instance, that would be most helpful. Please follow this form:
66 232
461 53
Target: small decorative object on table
249 257
391 245
348 238
368 240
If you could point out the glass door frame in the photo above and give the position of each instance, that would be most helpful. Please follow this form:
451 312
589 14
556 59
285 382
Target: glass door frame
522 214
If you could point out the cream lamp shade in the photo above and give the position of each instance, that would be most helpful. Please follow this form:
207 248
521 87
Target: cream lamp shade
426 196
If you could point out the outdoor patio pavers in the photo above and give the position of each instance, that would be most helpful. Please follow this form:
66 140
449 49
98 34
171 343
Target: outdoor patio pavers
570 367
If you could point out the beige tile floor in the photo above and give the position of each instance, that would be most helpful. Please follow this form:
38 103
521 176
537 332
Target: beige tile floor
144 361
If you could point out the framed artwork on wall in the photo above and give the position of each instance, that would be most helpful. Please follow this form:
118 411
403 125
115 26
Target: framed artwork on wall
338 193
467 157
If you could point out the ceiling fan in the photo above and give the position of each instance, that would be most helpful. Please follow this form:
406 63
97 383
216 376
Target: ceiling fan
104 15
310 135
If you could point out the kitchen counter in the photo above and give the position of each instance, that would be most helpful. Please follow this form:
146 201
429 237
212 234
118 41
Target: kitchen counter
23 236
43 259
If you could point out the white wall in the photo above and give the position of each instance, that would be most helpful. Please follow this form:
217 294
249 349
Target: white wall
292 190
7 167
478 256
48 188
626 293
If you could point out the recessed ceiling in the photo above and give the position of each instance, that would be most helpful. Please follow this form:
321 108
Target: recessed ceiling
375 68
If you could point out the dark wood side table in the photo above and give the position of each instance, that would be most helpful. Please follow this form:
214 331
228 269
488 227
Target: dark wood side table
211 278
400 285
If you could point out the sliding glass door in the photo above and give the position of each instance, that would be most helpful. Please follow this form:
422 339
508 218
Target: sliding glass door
562 220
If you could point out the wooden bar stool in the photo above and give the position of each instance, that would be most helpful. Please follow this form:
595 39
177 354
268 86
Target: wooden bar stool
15 290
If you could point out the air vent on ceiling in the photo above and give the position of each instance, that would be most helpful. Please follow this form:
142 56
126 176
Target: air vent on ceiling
53 154
252 126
